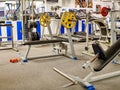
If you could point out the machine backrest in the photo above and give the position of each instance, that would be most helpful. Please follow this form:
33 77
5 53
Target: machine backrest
102 26
109 55
99 50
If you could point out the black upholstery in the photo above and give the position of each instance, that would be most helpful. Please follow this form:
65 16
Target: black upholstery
43 42
100 23
99 50
102 27
105 56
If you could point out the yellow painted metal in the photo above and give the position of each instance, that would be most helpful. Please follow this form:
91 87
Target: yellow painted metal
68 20
45 19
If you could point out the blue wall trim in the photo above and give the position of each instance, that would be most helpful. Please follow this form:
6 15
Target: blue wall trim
83 25
76 27
62 30
38 29
9 28
19 30
90 28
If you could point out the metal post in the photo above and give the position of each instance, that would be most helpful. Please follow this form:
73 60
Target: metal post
71 45
50 32
23 33
113 33
86 30
87 78
58 27
65 75
27 52
32 9
43 29
104 76
12 37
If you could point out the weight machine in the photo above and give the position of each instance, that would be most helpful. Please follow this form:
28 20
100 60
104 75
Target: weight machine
77 36
3 24
45 22
104 32
97 64
92 37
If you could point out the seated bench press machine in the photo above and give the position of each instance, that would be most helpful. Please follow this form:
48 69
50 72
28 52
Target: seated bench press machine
68 20
98 63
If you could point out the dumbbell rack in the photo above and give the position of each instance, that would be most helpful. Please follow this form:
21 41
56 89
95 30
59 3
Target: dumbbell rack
1 37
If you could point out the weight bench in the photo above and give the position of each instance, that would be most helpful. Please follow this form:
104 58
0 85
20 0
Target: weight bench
53 41
101 59
44 42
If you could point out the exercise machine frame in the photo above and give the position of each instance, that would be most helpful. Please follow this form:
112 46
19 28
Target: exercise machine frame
101 59
50 32
87 80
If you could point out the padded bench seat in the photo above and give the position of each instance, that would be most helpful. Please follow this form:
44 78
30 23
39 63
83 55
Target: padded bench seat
105 56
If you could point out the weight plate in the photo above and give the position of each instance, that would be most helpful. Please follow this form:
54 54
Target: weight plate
45 20
68 20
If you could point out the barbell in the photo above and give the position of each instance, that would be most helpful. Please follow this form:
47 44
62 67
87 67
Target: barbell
68 19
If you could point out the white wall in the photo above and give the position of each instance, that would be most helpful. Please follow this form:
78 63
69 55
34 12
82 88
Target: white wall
49 4
68 3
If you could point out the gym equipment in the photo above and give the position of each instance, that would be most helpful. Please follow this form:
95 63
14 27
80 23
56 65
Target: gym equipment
104 11
103 37
45 22
28 17
101 59
2 24
38 42
45 42
114 30
53 40
34 36
68 20
103 29
32 25
45 19
82 36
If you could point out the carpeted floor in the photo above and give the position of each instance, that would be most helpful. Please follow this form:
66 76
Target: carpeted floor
39 74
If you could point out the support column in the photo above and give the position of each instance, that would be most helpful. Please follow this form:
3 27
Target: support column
71 45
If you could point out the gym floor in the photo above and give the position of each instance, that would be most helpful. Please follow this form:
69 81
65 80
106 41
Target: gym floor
39 74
